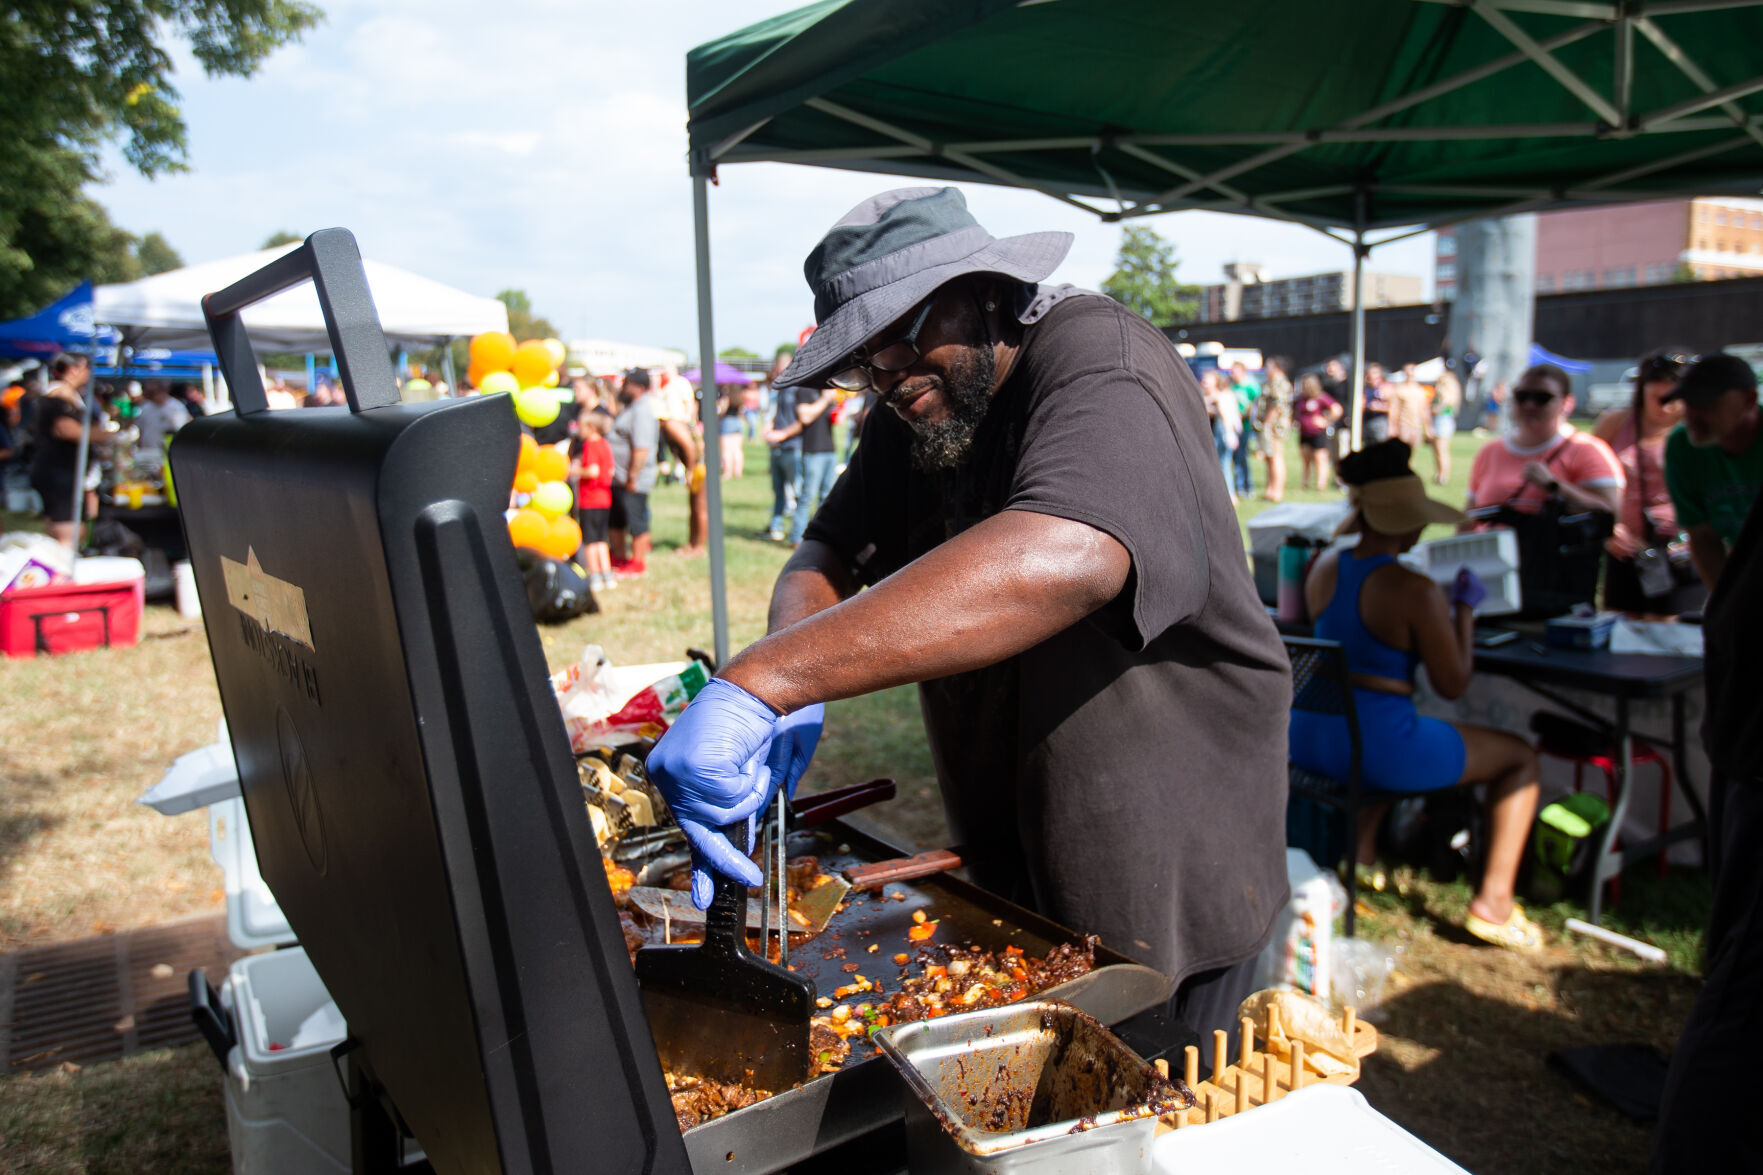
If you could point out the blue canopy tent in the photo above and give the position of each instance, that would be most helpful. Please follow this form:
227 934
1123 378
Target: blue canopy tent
64 325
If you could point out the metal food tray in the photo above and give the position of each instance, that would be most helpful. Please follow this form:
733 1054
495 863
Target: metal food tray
863 1095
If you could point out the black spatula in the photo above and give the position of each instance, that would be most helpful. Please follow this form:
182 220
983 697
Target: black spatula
718 1010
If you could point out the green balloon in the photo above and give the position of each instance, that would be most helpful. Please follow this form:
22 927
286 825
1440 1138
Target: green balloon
551 499
536 407
499 381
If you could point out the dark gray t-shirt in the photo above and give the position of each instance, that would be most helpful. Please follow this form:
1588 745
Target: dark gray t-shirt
1127 776
636 427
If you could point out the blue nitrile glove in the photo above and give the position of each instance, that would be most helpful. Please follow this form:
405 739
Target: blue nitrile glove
792 746
710 766
1468 589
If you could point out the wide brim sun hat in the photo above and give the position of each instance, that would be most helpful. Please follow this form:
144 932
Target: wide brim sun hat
887 255
1397 505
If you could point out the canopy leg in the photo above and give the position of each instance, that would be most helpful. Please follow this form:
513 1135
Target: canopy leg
707 406
1356 407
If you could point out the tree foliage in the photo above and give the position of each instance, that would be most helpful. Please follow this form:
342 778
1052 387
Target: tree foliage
732 353
523 324
1144 279
80 76
281 237
155 255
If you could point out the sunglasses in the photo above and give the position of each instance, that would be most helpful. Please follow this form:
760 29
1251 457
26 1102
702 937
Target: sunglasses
1532 397
897 356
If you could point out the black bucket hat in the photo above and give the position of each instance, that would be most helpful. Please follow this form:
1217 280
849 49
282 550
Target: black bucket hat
888 254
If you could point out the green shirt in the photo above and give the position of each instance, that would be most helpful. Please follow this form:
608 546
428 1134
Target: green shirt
1710 486
1247 394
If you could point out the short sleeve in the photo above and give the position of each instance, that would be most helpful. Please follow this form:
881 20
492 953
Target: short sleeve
1686 495
1591 462
646 430
1101 450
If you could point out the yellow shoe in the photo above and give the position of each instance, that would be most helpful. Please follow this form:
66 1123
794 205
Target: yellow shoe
1518 934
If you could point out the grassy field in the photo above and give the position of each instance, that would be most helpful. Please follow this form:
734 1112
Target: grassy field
1467 1028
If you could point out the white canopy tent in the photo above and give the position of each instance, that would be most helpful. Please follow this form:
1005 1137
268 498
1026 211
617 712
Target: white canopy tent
165 310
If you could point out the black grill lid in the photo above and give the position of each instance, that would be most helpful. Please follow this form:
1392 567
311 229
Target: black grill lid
404 765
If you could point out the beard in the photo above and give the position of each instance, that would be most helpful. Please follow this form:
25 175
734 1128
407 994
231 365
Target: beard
945 443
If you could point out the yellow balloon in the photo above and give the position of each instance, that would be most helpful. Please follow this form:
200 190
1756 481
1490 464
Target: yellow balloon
497 382
563 538
532 362
525 482
551 499
559 353
550 463
536 407
529 528
551 380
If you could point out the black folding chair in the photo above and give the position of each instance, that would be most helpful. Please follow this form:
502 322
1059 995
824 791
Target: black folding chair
1321 684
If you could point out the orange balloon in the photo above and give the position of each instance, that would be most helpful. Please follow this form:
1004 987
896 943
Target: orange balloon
563 539
529 449
550 464
528 528
492 351
525 482
474 375
532 363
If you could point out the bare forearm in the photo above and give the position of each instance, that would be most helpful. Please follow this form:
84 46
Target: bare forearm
813 580
1604 498
997 589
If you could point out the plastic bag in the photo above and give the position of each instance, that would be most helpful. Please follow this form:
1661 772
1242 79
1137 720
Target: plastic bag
1298 955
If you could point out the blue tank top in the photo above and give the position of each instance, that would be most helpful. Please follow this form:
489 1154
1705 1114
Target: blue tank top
1340 621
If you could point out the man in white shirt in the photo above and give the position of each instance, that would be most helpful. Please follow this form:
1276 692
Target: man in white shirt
160 417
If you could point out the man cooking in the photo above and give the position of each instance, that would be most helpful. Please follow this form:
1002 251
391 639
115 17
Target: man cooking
1048 551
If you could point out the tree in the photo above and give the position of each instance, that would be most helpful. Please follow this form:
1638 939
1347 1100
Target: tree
155 255
80 77
1144 279
523 324
736 353
281 237
784 349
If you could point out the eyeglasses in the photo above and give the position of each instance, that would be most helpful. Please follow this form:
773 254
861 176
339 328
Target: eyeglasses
1532 397
896 357
1665 365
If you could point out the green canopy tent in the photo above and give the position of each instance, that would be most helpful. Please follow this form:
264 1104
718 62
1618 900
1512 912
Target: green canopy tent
1367 120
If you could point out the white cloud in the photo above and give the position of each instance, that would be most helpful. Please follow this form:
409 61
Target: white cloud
542 145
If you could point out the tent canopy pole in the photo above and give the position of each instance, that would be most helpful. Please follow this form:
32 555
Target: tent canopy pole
1356 409
707 404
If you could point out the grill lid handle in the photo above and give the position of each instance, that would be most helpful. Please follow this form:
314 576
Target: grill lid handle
331 261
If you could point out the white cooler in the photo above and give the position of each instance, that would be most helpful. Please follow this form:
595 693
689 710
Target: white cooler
286 1113
285 1109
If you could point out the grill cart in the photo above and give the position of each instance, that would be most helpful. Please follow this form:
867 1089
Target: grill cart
416 812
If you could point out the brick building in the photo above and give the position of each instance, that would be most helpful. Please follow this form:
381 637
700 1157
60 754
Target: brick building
1633 245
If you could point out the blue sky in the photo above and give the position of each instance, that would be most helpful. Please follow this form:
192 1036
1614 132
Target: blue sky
540 144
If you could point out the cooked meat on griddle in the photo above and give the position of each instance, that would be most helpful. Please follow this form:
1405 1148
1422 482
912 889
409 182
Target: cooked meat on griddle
699 1099
961 979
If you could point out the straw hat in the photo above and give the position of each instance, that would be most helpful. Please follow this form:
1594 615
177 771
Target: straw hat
1397 505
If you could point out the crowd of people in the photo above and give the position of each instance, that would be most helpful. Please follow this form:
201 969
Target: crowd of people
47 413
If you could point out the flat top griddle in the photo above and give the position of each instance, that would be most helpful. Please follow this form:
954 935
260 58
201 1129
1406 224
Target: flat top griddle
863 1095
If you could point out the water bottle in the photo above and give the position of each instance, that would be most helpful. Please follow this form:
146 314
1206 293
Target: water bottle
1294 559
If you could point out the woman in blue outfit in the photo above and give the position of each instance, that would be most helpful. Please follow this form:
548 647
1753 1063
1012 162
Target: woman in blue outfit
1390 620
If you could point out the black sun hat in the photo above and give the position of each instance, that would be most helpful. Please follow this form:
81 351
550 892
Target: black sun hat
888 254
